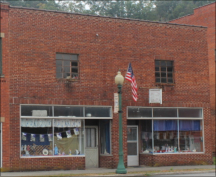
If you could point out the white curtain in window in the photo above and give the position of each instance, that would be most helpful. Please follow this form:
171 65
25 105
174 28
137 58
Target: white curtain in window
67 123
61 123
36 122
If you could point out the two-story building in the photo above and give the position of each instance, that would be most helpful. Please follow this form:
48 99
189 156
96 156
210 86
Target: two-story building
58 95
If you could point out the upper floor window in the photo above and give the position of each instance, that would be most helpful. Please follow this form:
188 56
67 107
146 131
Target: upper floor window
67 66
163 71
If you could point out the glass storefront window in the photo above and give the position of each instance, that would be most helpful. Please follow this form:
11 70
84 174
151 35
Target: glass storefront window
190 112
139 112
191 139
36 137
165 112
97 112
36 111
165 136
68 111
146 136
68 137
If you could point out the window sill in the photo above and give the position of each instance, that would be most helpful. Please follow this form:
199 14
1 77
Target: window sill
67 80
52 156
106 155
175 153
164 84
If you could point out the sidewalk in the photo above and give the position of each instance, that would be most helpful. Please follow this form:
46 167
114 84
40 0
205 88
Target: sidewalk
131 171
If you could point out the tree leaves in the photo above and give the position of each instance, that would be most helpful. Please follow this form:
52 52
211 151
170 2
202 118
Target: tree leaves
154 10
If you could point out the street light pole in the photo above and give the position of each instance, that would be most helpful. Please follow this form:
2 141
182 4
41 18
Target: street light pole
119 79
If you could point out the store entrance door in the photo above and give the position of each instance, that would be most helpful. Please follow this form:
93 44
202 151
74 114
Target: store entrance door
91 147
132 146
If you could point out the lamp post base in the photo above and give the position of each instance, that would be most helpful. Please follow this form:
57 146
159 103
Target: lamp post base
121 171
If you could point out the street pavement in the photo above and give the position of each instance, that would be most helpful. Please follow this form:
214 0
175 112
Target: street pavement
131 171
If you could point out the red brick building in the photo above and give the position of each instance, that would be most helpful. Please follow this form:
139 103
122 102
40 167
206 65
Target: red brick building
58 91
205 16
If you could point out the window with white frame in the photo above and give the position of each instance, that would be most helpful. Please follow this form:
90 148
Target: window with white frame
55 130
169 130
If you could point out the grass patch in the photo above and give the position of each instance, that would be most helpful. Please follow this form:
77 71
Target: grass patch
214 160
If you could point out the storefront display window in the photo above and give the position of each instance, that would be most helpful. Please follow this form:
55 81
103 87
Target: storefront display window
57 130
68 137
169 130
165 136
37 138
191 139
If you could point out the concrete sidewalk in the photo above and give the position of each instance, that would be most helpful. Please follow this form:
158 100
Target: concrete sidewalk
131 171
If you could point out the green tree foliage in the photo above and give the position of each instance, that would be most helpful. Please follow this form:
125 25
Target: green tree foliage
42 4
154 10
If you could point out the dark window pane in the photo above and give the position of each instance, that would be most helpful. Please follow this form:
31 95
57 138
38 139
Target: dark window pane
157 63
105 136
74 70
163 63
169 69
169 74
74 64
163 74
163 68
190 112
169 63
163 80
170 80
97 112
38 111
68 111
157 74
164 112
157 80
139 112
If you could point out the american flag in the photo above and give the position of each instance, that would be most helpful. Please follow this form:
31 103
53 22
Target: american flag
130 77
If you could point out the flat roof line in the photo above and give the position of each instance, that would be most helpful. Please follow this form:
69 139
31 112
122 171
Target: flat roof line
55 11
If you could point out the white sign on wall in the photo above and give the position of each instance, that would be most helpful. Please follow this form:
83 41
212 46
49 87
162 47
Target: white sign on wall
155 96
116 103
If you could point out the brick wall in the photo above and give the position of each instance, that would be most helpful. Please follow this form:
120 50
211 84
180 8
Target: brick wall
205 16
5 84
34 37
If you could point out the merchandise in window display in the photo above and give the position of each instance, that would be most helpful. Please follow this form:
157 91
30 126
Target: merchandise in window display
56 151
32 137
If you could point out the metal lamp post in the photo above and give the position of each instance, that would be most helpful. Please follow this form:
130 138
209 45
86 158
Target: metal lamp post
119 79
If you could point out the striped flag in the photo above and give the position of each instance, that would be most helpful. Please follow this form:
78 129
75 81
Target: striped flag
130 77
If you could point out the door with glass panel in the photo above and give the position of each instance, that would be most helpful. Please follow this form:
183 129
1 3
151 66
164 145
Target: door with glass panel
91 147
132 146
